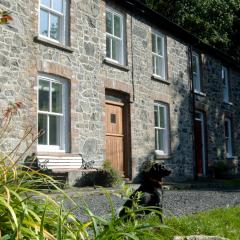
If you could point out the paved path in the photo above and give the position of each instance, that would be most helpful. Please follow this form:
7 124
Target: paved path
178 203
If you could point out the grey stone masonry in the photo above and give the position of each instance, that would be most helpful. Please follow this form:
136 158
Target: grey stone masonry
24 56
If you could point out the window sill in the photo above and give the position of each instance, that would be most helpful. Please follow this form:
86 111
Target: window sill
160 79
228 103
200 93
116 65
50 43
231 157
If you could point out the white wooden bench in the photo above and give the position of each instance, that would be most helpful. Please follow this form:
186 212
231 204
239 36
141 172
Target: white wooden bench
68 165
63 163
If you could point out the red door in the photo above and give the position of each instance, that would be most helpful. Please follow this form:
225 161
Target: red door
199 147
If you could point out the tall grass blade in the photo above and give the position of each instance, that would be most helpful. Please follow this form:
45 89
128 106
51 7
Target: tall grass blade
59 225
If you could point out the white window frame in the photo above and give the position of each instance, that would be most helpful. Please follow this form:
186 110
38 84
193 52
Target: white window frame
64 143
196 74
64 17
166 149
228 139
121 39
156 55
225 81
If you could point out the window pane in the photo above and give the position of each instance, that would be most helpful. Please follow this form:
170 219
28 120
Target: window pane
54 131
43 95
194 64
55 27
57 5
196 82
156 116
160 45
226 129
109 23
117 26
154 64
159 66
156 139
154 43
108 45
161 139
56 97
46 2
162 117
44 22
116 50
42 126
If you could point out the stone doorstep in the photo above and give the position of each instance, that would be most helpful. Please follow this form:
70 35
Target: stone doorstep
200 237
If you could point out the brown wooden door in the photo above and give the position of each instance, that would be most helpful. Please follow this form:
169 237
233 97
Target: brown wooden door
199 147
115 134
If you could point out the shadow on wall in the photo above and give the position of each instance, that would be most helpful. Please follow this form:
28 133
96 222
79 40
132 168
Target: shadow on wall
182 160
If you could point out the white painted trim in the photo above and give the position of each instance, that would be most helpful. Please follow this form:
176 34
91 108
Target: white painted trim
112 36
197 85
64 121
229 140
226 85
166 146
156 55
64 19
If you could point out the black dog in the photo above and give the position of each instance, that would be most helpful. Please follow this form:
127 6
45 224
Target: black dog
150 192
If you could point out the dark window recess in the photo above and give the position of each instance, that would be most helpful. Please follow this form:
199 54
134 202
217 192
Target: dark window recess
113 118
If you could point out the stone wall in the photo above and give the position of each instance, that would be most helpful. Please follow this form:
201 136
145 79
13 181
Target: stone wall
23 57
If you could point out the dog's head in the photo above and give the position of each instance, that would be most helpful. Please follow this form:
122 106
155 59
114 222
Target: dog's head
156 171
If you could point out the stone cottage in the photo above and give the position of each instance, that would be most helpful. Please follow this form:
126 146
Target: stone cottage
115 81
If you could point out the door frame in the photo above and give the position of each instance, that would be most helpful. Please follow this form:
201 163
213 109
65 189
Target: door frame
124 101
203 137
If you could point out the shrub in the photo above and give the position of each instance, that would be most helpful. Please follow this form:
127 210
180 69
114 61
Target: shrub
105 177
220 169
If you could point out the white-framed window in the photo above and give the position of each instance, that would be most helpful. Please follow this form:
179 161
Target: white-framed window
52 113
228 137
225 84
114 36
196 72
53 17
158 55
161 112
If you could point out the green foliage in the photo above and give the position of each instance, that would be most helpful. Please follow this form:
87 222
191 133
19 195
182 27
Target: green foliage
222 222
216 22
29 214
220 169
105 177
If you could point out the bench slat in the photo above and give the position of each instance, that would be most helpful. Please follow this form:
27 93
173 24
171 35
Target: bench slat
59 161
60 158
61 164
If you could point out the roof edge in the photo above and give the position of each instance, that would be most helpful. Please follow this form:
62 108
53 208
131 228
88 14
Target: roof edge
137 7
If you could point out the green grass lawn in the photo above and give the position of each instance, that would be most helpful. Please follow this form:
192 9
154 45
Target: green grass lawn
223 222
